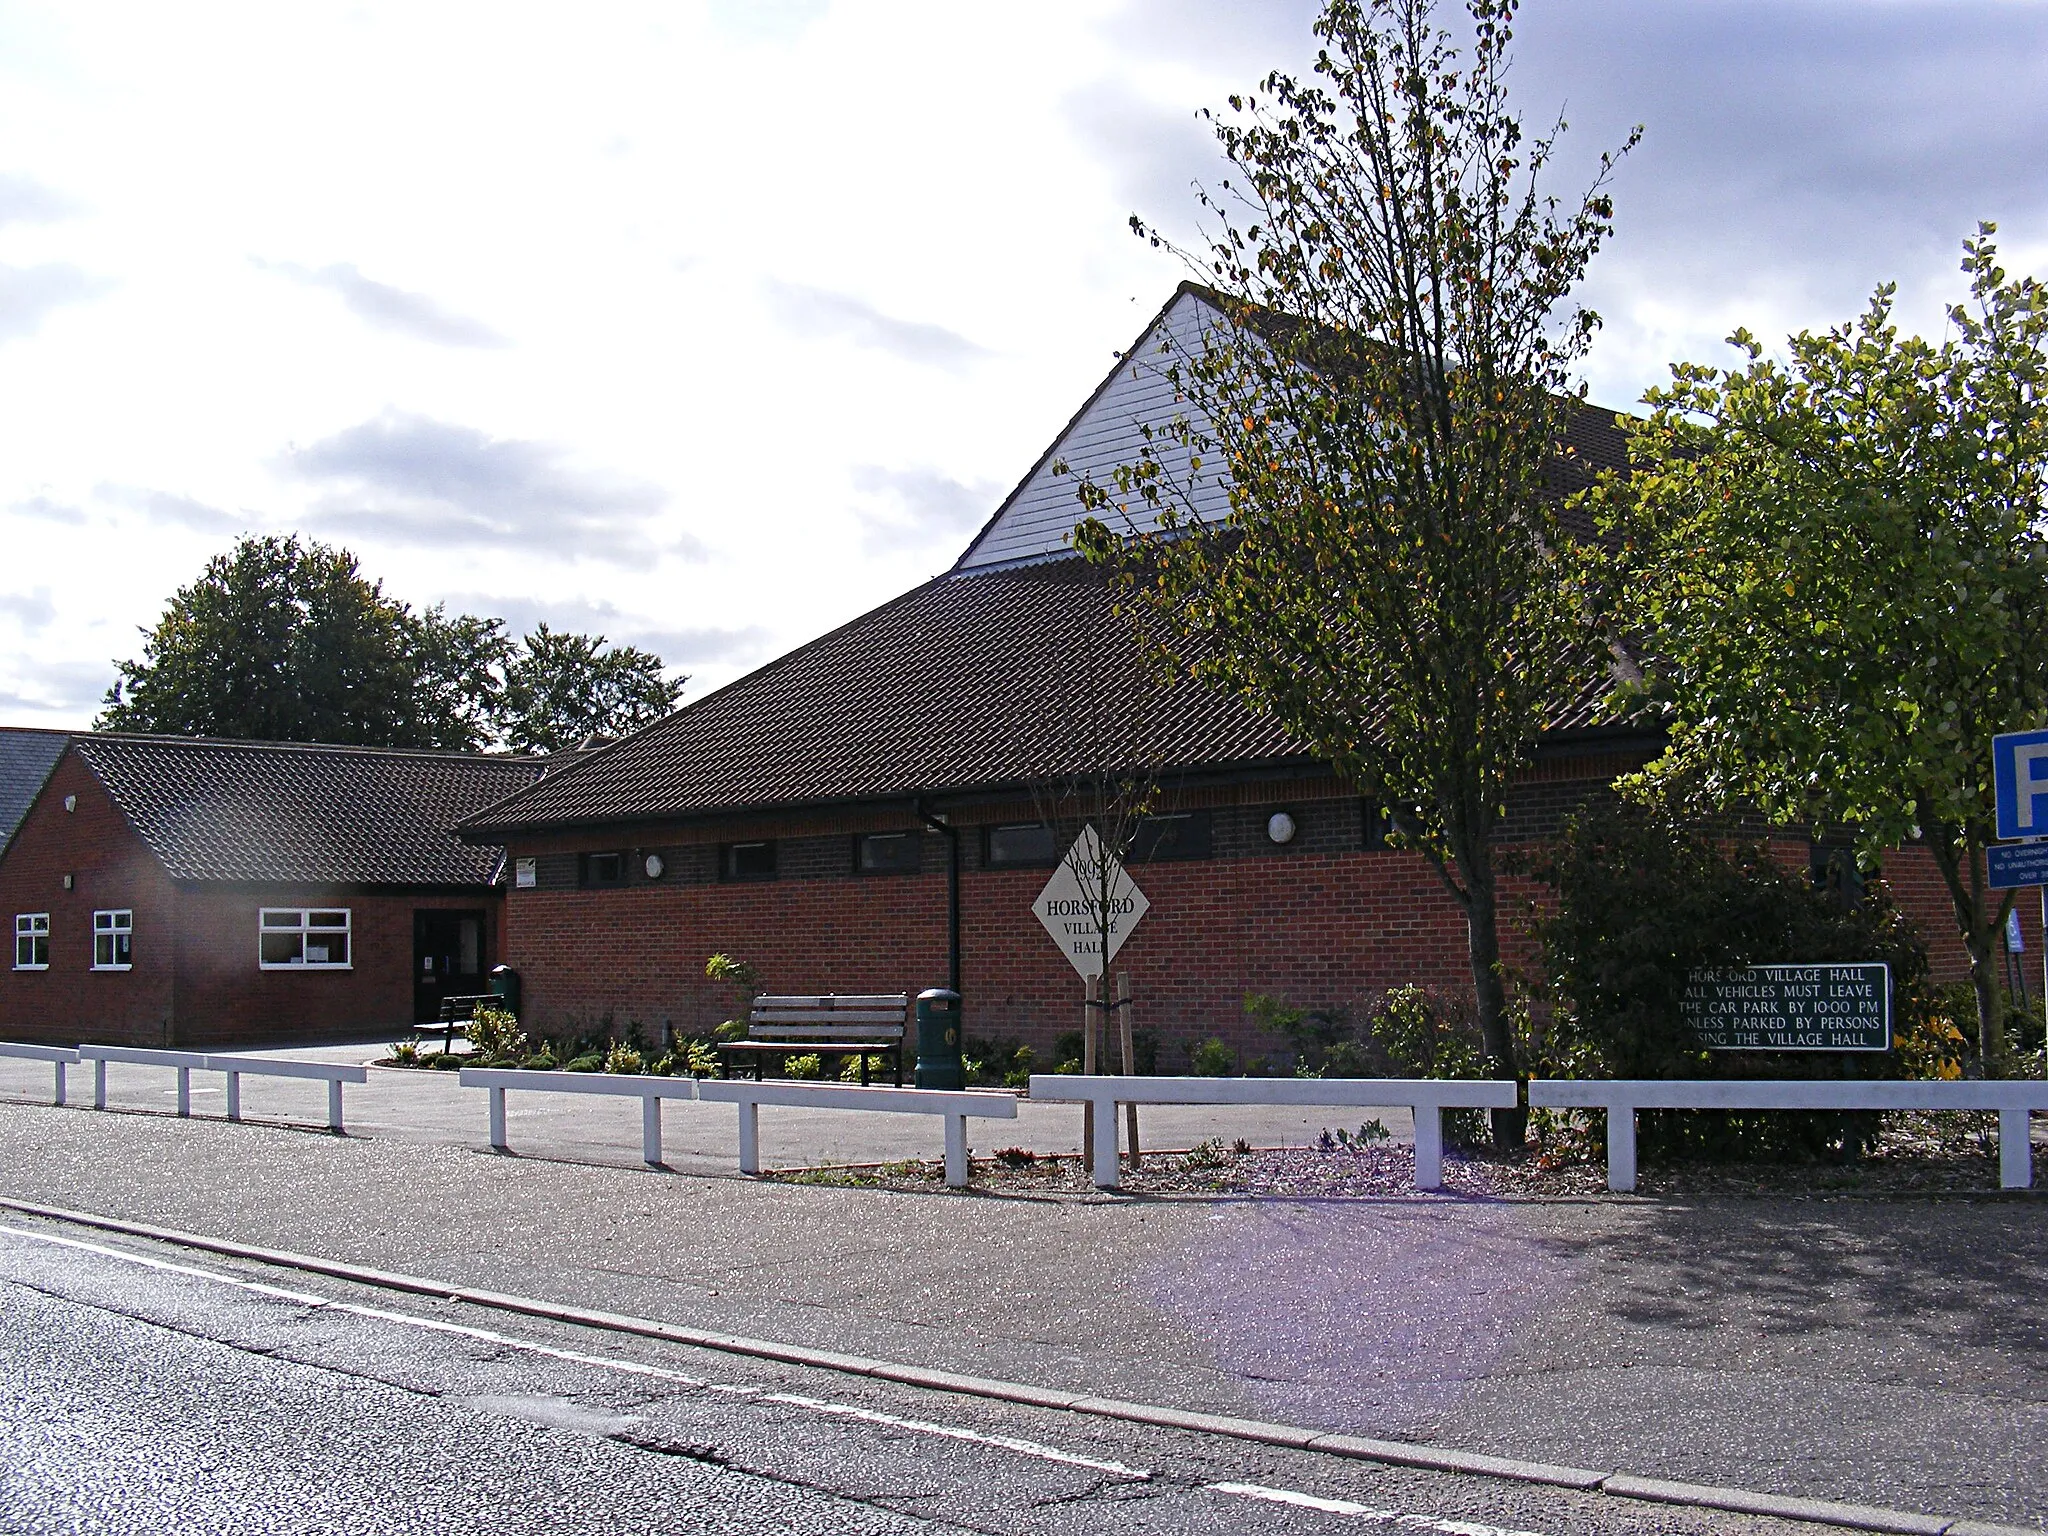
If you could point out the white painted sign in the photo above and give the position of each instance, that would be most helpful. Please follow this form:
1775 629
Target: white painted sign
1069 904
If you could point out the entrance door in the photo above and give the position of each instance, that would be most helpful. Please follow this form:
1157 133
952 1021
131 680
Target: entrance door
447 959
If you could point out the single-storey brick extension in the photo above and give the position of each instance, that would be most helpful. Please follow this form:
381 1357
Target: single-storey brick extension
170 892
803 817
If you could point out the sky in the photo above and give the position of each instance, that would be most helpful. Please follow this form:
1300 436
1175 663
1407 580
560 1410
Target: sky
710 326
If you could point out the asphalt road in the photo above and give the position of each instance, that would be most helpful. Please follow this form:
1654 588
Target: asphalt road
144 1389
1884 1352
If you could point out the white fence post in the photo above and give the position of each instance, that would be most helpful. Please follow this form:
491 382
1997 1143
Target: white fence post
99 1084
497 1097
334 1105
234 1096
750 1136
1621 1147
650 1129
60 1082
956 1151
1429 1146
2015 1145
185 1092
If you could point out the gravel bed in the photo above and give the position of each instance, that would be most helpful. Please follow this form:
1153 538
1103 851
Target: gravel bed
1915 1154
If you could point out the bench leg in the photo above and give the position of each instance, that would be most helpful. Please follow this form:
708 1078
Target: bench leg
750 1137
234 1095
1621 1147
1429 1146
650 1128
863 1069
184 1091
1102 1138
956 1151
334 1106
2015 1150
99 1085
497 1096
59 1099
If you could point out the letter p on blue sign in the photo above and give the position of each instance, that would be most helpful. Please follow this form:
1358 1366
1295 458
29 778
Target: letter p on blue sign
2019 773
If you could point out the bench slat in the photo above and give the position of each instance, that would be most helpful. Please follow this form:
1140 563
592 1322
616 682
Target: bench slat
848 1020
836 1001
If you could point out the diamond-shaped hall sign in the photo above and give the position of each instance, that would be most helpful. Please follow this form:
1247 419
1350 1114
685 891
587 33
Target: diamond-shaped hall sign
1071 900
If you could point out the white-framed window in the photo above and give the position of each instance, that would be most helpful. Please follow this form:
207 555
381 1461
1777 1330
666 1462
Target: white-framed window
113 941
315 938
31 941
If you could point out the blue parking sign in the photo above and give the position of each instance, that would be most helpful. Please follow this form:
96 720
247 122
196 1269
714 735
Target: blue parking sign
2019 776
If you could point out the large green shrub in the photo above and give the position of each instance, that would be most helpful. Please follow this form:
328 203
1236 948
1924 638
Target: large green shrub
1641 902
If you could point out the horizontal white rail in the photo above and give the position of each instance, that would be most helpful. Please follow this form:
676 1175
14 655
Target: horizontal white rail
957 1106
334 1074
648 1089
1621 1098
61 1057
183 1062
1426 1098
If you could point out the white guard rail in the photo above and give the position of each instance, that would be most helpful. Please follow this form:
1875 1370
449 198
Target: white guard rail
2013 1101
334 1075
649 1090
59 1056
185 1063
956 1105
1425 1098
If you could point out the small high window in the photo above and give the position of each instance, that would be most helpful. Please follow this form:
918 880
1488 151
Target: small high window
1181 835
113 941
1018 844
1378 824
602 869
747 861
292 937
887 853
31 941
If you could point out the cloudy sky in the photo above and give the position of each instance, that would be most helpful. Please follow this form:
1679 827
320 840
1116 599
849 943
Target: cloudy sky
709 326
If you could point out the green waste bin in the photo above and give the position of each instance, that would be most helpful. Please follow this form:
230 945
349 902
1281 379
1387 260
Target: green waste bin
938 1039
505 986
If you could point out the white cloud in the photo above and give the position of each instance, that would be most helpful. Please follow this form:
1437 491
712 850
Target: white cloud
388 308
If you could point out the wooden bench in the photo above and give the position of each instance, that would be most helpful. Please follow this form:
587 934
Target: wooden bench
859 1024
455 1012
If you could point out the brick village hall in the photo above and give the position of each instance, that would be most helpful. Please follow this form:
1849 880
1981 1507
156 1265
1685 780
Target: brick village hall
810 818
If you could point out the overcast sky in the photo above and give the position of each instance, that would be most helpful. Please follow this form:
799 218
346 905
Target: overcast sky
711 326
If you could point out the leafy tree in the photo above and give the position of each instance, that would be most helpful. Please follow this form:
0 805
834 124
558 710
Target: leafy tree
280 640
1388 382
283 641
1841 569
561 689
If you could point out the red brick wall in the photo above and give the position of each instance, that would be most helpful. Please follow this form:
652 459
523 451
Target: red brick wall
1317 926
195 981
110 868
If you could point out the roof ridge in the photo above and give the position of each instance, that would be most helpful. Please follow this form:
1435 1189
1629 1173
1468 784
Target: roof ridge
258 744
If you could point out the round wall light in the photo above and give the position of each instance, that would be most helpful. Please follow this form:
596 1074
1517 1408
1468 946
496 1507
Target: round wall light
1280 827
654 866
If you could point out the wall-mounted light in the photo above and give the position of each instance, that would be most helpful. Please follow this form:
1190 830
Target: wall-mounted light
67 882
1280 827
654 866
71 802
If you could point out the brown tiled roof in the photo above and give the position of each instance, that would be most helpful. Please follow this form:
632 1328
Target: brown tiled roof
307 814
26 758
970 682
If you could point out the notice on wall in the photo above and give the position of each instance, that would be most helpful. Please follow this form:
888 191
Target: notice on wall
1791 1008
1091 890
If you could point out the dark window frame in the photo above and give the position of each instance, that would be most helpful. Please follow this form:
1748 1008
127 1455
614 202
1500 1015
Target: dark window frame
991 860
587 875
1375 827
1174 835
729 870
908 865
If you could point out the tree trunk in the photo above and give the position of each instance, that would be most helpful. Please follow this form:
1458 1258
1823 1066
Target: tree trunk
1981 931
1482 918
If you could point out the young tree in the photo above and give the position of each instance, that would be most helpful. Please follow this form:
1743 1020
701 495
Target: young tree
283 641
1387 381
561 689
1839 565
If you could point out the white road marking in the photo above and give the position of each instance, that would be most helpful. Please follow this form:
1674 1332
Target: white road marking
954 1432
1009 1443
1353 1511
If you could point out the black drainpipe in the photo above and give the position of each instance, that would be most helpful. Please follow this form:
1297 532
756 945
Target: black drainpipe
940 824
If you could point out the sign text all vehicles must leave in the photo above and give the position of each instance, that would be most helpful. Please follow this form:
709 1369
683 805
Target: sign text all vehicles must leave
1845 1007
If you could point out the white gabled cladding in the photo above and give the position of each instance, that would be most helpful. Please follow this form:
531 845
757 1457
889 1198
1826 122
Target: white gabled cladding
1034 522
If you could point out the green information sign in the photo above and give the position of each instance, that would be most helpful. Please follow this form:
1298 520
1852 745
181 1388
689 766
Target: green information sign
1791 1008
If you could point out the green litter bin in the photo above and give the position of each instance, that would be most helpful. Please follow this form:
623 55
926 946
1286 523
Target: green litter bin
938 1039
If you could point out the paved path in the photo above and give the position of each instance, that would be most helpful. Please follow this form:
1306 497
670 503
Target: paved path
1882 1352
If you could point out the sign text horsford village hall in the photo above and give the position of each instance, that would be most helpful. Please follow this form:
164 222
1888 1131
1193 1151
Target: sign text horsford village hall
1791 1008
